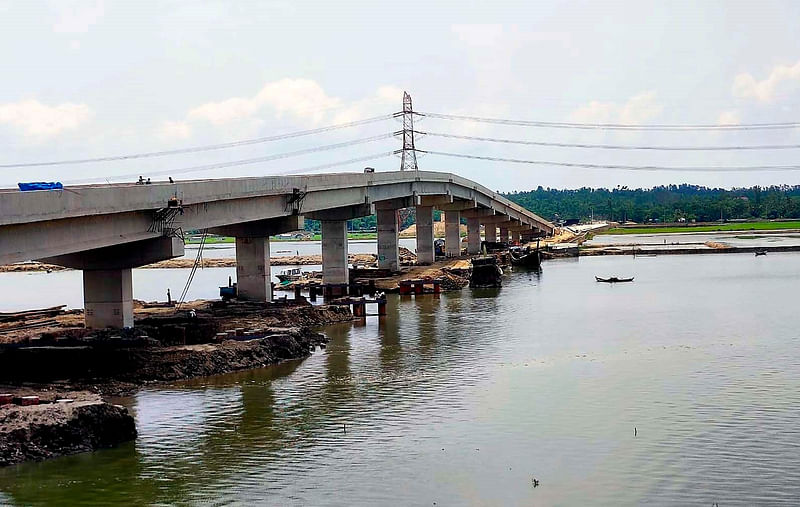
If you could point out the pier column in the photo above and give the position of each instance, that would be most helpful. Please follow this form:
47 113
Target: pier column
515 237
490 232
334 252
452 233
425 253
473 236
388 254
108 298
503 235
527 236
252 269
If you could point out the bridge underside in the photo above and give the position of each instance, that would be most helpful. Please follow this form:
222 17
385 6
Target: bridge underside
106 239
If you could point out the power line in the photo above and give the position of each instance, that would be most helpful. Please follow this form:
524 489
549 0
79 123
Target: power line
210 147
614 146
612 126
620 167
233 163
374 156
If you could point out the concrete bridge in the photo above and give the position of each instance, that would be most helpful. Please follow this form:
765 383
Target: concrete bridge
105 230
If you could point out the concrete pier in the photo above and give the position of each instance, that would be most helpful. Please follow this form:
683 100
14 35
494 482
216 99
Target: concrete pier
490 232
252 269
388 253
515 237
108 298
473 236
527 236
425 253
334 252
452 233
503 235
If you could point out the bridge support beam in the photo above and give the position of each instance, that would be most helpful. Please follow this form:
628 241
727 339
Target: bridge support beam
107 283
252 269
334 252
452 233
425 253
108 298
515 237
473 236
388 252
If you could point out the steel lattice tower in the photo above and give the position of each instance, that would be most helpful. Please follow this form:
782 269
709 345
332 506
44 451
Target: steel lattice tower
408 158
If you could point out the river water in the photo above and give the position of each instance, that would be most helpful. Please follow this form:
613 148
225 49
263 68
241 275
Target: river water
27 290
681 388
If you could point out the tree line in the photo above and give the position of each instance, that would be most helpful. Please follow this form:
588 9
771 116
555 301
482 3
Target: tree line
669 203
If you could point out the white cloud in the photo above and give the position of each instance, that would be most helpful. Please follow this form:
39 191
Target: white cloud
729 118
746 86
77 16
300 99
479 34
36 119
387 99
170 130
635 111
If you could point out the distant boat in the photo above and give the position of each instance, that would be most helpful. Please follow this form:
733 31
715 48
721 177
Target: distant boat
613 279
289 275
761 252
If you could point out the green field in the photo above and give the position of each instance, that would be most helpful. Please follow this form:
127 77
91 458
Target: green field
211 240
741 226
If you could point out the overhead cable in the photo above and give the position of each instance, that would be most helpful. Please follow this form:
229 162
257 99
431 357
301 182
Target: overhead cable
620 167
614 146
234 163
365 158
612 126
210 147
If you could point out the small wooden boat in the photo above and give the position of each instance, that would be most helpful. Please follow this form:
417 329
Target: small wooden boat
613 279
289 275
485 272
528 257
761 252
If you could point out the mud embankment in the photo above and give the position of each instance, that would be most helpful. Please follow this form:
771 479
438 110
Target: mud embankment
77 422
62 363
208 338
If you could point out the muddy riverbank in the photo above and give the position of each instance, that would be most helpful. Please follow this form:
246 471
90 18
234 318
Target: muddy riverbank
64 422
203 338
68 368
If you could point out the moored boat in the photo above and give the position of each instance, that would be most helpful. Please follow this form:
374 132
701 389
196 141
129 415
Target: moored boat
528 257
289 275
485 272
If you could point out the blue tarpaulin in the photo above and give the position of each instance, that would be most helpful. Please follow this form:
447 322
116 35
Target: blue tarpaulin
41 185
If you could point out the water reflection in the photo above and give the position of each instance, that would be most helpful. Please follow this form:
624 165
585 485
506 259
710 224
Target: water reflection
461 399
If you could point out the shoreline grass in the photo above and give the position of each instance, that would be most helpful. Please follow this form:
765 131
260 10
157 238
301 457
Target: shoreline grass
738 226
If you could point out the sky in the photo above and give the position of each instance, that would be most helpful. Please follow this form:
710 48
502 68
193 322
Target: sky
87 79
